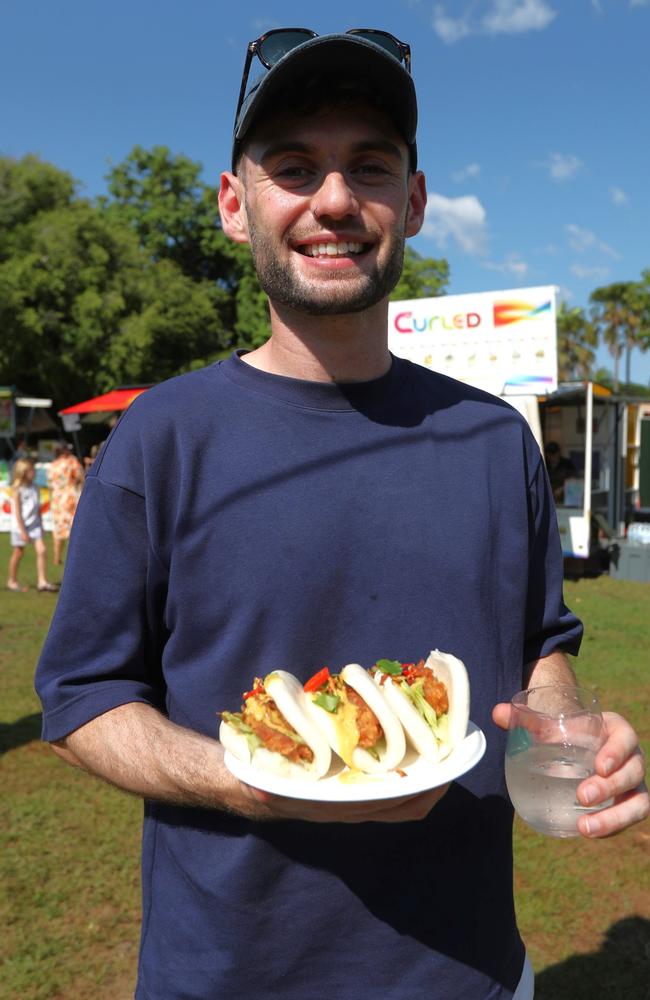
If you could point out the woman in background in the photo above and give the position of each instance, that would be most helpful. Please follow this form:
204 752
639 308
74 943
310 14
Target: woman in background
65 478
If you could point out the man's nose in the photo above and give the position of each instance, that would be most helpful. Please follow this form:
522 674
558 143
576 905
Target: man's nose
334 197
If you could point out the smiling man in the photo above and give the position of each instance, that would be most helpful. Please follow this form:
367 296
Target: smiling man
335 192
316 501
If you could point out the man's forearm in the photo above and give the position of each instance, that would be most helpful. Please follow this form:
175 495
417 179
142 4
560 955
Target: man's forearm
137 749
552 669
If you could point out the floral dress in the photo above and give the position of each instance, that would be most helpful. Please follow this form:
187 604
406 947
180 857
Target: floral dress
65 478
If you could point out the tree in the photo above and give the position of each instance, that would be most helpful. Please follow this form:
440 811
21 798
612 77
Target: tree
176 328
422 277
621 313
161 196
175 216
27 187
84 307
576 338
63 293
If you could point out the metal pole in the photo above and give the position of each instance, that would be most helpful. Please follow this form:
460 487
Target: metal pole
589 440
622 501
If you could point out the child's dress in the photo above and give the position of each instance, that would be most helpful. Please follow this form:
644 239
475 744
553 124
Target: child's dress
30 508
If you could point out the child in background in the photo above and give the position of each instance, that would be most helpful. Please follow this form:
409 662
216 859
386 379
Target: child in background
26 525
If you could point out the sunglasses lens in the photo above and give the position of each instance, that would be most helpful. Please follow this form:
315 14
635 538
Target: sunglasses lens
277 44
386 41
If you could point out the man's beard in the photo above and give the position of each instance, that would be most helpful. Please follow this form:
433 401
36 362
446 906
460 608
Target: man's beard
284 286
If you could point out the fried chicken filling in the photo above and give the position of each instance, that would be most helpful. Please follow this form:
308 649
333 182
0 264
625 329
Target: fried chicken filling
434 690
269 724
368 725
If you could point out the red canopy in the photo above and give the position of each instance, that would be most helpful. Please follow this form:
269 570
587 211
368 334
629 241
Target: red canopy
118 399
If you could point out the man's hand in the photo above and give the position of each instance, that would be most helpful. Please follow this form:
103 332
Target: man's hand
620 770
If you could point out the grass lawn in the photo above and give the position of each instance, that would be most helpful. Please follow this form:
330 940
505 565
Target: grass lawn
69 879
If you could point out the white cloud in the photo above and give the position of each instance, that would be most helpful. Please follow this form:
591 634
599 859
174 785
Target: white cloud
618 196
461 219
503 17
512 266
582 240
562 166
513 17
639 3
592 273
471 170
450 29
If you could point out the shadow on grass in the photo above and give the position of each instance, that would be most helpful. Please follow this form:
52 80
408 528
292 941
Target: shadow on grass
16 734
621 969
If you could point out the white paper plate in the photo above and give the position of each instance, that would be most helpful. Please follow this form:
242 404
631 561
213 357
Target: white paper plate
339 785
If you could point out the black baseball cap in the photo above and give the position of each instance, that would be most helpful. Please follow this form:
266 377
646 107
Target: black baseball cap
348 56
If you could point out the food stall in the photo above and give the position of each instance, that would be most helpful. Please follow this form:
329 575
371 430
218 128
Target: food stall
506 343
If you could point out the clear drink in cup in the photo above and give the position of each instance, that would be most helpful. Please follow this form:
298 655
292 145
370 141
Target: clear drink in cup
555 733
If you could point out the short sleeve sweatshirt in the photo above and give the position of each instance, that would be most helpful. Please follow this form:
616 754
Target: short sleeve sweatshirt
237 522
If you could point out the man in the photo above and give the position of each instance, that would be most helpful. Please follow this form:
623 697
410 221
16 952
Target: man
315 502
559 469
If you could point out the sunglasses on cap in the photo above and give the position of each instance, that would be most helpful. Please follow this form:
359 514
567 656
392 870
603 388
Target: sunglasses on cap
273 45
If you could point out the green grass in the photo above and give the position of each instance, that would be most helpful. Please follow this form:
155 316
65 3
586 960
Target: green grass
584 907
69 846
69 879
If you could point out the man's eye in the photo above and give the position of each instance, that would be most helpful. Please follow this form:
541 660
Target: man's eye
372 168
292 172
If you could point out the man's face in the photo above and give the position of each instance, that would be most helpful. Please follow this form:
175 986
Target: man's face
328 200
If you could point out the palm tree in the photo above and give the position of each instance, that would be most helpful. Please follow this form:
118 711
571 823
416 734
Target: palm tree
620 312
576 336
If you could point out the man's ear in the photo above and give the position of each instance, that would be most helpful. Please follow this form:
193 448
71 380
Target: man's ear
232 208
417 203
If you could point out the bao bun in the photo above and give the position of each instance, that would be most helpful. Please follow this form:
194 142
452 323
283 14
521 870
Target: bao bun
287 693
451 671
392 748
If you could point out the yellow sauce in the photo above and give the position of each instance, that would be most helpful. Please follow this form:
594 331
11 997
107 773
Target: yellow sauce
354 777
346 731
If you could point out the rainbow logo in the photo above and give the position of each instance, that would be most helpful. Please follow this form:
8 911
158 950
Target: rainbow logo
514 312
519 380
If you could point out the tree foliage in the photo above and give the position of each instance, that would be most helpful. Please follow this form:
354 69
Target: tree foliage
422 277
27 187
93 295
577 337
621 313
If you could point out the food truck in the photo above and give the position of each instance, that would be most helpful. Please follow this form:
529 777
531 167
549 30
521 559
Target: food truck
506 343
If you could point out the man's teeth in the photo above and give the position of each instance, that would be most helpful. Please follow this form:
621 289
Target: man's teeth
332 249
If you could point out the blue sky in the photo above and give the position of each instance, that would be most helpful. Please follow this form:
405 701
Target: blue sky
533 115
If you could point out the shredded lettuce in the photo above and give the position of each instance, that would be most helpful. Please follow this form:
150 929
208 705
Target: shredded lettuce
238 723
439 725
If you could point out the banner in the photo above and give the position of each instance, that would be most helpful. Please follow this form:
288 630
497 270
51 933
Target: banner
504 341
5 508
